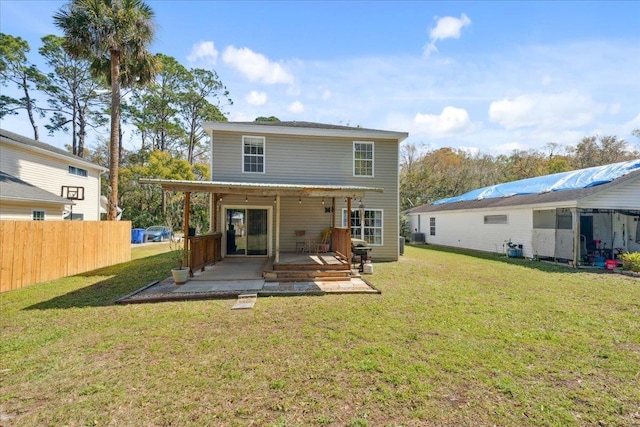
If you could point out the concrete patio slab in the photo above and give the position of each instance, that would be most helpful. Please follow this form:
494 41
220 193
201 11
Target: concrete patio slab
237 276
221 286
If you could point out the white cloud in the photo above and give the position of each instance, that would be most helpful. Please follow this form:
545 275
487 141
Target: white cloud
546 80
614 108
203 51
296 107
256 98
552 111
634 123
452 121
446 28
326 95
472 151
255 66
508 148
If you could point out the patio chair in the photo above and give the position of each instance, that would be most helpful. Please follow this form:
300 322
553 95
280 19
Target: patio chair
301 245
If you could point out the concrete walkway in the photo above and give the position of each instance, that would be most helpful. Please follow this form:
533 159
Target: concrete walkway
236 276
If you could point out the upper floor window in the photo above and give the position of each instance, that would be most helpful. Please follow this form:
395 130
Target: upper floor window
362 158
253 154
77 171
37 215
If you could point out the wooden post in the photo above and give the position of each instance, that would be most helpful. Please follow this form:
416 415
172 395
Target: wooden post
333 212
187 207
214 213
349 229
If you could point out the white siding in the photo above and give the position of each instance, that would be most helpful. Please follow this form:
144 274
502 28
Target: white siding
626 196
466 229
51 173
23 211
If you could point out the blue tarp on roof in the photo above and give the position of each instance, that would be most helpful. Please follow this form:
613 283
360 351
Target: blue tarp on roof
572 180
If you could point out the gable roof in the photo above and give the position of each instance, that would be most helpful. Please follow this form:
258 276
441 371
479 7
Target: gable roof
13 188
304 128
32 144
559 196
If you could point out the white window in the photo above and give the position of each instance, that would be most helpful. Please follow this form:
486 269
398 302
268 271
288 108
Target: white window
77 171
496 219
369 228
37 215
362 158
432 226
253 154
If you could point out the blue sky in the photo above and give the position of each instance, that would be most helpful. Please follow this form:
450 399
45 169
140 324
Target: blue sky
486 76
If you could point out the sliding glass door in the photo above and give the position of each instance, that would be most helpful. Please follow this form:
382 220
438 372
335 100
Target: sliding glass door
247 231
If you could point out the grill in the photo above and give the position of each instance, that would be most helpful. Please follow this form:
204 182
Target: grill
360 248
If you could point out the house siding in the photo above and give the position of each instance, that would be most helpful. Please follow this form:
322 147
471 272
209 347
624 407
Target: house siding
626 196
51 173
316 161
466 229
19 211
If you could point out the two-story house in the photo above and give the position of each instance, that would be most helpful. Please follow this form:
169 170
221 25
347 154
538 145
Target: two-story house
277 185
41 182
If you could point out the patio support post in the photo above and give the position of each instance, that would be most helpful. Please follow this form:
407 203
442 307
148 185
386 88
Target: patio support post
277 259
349 229
214 213
333 212
187 208
576 237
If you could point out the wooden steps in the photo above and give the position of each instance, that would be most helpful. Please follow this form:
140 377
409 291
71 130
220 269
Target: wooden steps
308 268
306 275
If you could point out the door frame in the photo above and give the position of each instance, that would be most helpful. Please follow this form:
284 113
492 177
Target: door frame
225 227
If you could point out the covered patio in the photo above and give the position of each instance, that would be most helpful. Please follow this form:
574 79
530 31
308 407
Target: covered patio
228 212
233 277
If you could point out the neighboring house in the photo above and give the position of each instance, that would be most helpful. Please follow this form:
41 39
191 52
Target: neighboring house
42 182
278 184
567 216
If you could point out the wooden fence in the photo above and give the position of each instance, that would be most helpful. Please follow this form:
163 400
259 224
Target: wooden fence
38 251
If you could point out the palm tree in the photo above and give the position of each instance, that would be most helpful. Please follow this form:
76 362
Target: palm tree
114 36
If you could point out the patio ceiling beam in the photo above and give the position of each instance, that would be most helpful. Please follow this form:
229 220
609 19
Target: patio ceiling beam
266 190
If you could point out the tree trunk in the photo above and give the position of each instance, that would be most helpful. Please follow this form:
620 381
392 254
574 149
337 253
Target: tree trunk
82 126
114 140
74 129
29 107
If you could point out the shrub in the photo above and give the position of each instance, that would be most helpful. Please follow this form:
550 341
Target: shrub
631 261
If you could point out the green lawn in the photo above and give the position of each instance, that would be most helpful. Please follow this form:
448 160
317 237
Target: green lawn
454 339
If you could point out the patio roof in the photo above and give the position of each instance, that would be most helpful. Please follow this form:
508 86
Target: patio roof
262 189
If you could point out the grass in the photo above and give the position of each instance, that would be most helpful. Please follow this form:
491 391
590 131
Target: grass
454 339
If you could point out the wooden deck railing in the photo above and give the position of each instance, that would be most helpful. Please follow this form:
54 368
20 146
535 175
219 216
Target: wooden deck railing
204 250
341 242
